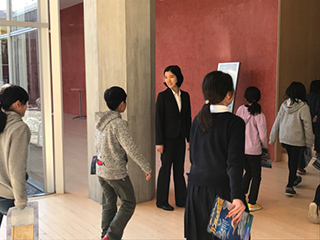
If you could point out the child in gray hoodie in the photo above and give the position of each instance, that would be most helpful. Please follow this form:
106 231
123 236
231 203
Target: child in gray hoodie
294 127
14 141
113 144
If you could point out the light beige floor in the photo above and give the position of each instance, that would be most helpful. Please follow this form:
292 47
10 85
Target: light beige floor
74 216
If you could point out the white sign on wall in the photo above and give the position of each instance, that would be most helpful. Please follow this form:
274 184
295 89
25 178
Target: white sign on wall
231 68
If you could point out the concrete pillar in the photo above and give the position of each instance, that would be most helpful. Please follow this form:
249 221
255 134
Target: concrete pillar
120 50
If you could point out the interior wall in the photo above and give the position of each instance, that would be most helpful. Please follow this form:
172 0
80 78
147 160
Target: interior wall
299 45
73 59
197 35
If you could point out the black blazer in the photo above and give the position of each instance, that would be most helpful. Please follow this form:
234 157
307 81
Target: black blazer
170 123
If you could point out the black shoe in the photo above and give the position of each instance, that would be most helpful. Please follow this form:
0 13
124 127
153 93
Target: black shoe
290 191
166 207
181 205
297 181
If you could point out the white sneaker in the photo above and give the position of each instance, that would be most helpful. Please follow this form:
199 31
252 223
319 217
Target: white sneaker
313 213
316 163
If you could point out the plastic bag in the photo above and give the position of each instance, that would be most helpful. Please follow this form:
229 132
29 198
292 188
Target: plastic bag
265 158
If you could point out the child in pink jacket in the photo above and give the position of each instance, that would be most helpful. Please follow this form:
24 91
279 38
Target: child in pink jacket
256 139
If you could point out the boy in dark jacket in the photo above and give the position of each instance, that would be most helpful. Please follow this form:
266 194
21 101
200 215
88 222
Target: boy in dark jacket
313 100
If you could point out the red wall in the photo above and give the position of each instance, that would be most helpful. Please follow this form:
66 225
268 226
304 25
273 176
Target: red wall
73 58
197 35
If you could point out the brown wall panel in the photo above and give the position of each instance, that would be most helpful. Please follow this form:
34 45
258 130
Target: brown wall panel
299 45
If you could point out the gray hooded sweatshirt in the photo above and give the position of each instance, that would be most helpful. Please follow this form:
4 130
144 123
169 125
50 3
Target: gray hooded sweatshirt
14 141
293 124
113 143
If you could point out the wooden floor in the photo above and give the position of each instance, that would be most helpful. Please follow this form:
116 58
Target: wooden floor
74 216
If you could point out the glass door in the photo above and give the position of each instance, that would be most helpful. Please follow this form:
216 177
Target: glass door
26 73
23 57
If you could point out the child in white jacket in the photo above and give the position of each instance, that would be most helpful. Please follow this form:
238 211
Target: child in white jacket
294 127
14 141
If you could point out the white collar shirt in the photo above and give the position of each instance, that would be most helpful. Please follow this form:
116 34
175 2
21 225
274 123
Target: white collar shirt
218 108
177 96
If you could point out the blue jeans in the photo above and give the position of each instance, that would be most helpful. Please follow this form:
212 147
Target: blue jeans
113 220
5 204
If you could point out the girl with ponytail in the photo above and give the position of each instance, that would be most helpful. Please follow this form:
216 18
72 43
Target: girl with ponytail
14 141
256 139
217 157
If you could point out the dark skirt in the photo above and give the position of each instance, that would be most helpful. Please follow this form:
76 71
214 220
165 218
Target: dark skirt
199 204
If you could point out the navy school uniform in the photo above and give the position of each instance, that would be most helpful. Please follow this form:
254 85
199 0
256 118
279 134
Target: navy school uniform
217 160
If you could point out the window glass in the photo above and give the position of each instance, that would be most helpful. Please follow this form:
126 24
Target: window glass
24 10
26 62
25 59
3 10
20 64
4 67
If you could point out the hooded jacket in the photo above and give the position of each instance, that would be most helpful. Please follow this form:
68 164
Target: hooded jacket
256 131
293 125
14 141
113 143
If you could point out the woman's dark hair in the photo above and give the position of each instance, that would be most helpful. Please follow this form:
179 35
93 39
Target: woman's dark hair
252 95
315 86
176 71
215 87
295 92
8 96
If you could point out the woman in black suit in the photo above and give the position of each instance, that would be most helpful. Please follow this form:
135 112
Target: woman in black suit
173 122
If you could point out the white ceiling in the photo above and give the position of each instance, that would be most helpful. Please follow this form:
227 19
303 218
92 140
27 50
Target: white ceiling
69 3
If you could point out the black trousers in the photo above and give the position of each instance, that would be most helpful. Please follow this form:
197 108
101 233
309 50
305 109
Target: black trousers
294 153
317 196
316 131
173 155
5 204
302 161
317 143
252 166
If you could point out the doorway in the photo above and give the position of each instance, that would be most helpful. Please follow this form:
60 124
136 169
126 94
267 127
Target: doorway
21 59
